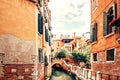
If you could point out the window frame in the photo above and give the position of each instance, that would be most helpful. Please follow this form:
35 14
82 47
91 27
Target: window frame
94 5
107 56
108 30
95 57
94 32
46 34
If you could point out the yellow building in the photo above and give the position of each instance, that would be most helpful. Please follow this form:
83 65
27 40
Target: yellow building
21 40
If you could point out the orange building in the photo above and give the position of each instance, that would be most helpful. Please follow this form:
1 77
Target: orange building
105 46
65 42
23 39
70 43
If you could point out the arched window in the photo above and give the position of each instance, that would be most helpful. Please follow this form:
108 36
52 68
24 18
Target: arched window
108 18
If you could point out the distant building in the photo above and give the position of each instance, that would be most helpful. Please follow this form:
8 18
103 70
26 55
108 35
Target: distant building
81 44
105 36
70 43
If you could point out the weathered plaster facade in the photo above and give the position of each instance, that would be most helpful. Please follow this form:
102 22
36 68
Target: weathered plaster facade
16 51
18 40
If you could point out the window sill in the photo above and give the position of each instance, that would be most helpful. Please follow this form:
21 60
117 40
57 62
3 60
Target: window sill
94 61
108 35
110 61
94 42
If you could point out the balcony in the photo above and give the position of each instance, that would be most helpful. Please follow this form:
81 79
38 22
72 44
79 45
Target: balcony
116 23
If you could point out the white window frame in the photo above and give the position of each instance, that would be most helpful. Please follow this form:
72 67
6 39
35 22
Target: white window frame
94 3
114 54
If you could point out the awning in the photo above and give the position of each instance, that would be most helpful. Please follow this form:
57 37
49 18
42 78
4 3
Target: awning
115 22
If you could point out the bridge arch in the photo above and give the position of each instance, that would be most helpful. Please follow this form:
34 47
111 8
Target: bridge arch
57 65
61 64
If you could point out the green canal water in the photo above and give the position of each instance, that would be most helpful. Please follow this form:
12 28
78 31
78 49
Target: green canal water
60 74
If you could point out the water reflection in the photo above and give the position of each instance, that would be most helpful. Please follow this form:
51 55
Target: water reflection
60 74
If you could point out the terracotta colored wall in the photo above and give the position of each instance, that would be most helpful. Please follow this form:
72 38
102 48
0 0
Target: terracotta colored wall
18 17
104 43
40 72
17 36
55 45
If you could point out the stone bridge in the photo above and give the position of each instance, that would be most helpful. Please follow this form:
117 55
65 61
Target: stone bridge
61 64
83 73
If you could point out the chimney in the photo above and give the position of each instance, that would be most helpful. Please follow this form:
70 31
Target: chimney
74 37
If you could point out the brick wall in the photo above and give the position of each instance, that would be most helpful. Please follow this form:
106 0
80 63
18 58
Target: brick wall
20 71
107 67
103 43
40 71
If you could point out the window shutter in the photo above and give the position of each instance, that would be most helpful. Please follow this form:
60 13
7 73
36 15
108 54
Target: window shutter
40 24
46 35
94 35
104 23
49 41
95 31
91 33
40 56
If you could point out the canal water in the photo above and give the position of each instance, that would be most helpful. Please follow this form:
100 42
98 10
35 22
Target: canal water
60 74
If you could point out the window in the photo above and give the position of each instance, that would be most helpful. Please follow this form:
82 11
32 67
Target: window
45 15
49 41
94 33
66 41
95 57
40 55
40 24
110 54
46 35
108 17
58 43
94 4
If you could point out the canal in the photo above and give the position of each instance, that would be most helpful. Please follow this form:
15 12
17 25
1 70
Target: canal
60 74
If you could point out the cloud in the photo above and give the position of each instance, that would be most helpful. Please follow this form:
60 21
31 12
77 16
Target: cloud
70 14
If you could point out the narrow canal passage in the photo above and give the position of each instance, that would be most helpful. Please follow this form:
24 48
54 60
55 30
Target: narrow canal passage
60 74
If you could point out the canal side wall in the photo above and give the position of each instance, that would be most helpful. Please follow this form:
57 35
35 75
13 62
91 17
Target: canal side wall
18 28
104 43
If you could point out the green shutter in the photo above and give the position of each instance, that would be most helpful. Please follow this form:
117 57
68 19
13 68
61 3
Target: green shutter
46 35
49 41
105 23
96 31
94 35
91 33
40 24
40 56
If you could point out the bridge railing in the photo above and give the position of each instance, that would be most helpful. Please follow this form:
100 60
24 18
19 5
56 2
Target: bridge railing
89 74
84 73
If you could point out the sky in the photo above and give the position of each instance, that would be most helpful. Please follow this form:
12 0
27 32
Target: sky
69 16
